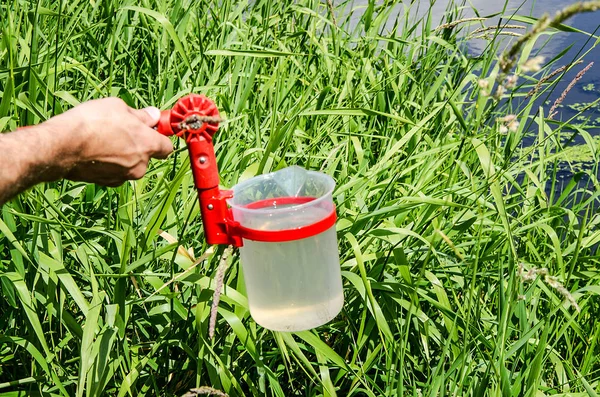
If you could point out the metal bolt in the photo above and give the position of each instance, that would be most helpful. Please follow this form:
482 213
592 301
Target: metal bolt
210 206
202 160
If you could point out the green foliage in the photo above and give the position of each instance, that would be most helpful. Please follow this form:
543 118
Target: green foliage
444 223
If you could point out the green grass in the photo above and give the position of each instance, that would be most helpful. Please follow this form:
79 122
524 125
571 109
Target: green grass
102 290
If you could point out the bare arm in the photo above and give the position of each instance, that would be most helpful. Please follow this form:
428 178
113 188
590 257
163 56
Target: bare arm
102 141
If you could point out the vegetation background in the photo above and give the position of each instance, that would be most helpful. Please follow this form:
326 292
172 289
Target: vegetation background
469 269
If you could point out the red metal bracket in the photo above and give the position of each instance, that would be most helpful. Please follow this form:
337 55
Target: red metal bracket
195 118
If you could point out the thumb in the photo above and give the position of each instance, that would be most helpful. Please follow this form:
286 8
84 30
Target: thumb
148 116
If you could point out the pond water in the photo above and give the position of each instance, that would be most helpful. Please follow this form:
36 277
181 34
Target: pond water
587 89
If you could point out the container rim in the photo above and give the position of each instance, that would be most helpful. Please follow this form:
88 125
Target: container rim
315 202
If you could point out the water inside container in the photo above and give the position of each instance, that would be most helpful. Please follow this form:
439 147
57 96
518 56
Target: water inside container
295 285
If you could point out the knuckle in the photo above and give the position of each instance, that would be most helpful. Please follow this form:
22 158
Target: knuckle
137 172
151 145
114 101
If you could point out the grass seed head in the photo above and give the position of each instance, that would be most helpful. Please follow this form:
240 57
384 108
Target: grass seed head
205 390
533 273
533 64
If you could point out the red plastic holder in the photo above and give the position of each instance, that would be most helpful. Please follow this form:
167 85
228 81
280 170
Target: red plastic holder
280 236
195 118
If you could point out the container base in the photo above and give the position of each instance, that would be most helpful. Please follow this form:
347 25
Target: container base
297 318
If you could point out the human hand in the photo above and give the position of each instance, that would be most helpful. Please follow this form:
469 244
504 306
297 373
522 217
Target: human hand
109 142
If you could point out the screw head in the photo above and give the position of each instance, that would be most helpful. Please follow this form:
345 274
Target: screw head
202 160
210 207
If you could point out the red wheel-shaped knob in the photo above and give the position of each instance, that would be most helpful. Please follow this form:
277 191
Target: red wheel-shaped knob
192 115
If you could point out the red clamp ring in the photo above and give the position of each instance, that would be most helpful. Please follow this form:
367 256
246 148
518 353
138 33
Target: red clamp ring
281 236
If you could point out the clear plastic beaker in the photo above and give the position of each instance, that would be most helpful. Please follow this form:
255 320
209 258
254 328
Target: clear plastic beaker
293 283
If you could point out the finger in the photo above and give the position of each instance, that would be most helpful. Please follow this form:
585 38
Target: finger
103 174
99 180
160 146
148 116
112 183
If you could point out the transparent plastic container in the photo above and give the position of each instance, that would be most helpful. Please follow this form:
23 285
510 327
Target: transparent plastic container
291 285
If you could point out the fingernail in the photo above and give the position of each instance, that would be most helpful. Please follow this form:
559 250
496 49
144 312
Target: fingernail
153 112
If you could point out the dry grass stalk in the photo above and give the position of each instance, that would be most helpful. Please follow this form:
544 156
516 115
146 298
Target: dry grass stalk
488 28
217 294
489 36
538 86
562 97
205 390
452 24
136 286
484 33
551 281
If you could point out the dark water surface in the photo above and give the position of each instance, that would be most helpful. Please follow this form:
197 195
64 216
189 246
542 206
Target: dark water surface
588 88
575 44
